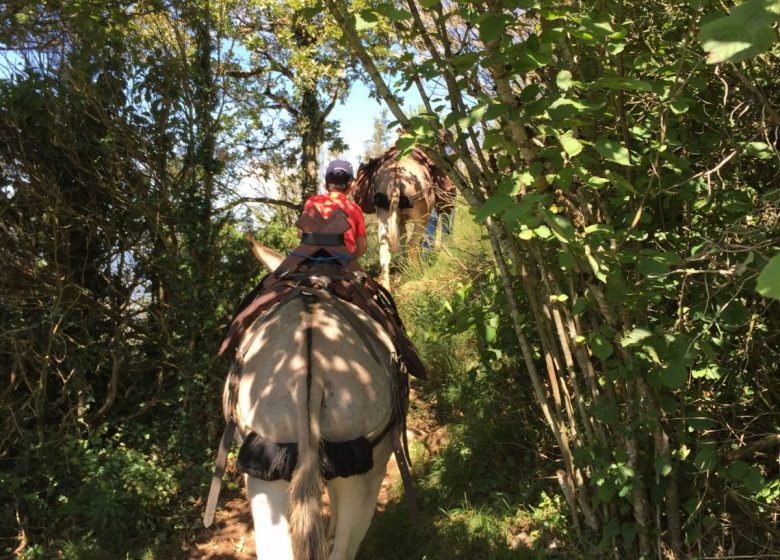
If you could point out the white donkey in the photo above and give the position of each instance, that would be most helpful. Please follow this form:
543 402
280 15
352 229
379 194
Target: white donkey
314 369
404 184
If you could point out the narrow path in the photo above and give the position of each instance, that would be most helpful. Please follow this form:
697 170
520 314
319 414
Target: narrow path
231 536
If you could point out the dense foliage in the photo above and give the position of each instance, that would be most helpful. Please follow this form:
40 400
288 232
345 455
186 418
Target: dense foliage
629 189
622 159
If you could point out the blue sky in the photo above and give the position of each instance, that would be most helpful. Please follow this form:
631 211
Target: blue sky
357 115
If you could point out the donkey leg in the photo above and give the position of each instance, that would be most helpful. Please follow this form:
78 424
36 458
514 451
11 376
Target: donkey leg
384 246
269 512
353 502
416 237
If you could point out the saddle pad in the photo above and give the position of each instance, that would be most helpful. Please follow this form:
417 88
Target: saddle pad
267 460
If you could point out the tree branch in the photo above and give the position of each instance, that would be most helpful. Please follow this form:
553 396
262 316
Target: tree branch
261 200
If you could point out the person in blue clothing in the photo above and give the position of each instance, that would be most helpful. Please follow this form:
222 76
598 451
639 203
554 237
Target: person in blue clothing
446 218
444 215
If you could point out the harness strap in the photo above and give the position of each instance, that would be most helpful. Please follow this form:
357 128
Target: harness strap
219 471
406 476
320 238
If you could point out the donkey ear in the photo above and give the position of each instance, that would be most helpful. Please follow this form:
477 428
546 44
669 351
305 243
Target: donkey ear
269 258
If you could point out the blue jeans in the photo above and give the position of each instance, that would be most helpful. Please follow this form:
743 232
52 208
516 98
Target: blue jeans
430 230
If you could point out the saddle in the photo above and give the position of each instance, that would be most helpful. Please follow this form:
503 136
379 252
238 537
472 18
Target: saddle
322 261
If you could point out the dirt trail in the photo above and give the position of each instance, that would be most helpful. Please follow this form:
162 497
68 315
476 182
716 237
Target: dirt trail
232 538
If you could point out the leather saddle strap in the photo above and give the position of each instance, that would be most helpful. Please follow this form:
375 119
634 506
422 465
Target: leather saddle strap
219 471
320 238
406 476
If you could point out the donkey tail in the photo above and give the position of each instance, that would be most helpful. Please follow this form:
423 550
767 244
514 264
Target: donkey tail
393 233
307 526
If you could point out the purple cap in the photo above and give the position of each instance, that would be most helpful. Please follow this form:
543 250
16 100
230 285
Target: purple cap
339 172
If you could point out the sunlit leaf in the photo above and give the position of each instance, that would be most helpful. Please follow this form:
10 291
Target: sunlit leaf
663 466
564 80
543 232
759 150
745 33
768 283
613 151
635 336
571 145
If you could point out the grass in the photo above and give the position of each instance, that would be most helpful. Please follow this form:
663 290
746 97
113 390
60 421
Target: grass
480 486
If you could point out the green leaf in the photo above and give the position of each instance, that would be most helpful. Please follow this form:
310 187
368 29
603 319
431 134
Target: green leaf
674 375
635 336
753 481
728 40
526 234
595 265
700 422
680 106
571 145
563 79
601 347
495 110
737 470
706 459
620 181
629 531
768 283
663 466
491 27
626 84
311 11
560 226
566 261
615 48
746 33
474 116
598 228
759 150
365 20
490 334
710 371
405 144
597 182
454 117
543 232
428 4
579 306
613 151
392 13
493 206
